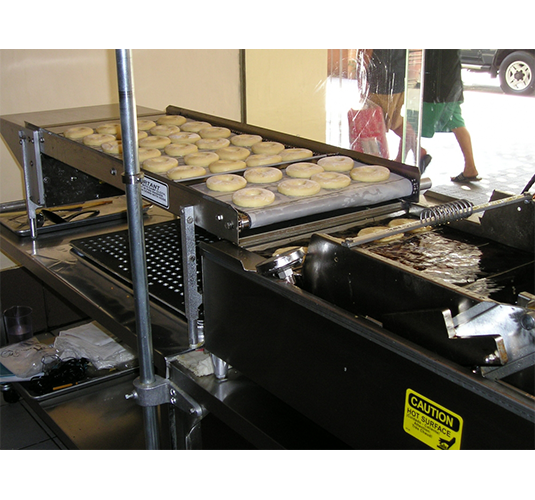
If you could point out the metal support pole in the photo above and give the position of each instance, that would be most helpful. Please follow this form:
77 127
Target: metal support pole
132 179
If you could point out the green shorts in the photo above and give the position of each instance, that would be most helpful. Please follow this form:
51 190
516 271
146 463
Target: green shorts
441 117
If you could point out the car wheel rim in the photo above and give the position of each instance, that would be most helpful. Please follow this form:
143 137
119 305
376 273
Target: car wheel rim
518 75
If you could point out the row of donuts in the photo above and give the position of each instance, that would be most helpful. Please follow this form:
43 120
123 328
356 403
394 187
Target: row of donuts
178 138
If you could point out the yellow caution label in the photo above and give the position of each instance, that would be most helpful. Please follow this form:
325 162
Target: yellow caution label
431 423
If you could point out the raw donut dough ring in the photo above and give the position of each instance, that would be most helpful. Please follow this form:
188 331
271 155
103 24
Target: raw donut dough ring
97 139
212 144
160 164
226 166
401 222
146 153
267 148
194 126
180 149
378 229
298 187
184 138
295 154
370 173
303 170
113 147
78 132
215 133
337 163
245 140
201 159
155 141
145 124
225 182
253 197
233 153
176 120
186 172
110 128
331 180
262 175
259 160
164 130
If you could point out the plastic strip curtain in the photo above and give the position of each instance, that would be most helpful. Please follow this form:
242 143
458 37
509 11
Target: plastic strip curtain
374 101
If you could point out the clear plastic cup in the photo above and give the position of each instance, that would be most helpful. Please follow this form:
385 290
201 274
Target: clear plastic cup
18 324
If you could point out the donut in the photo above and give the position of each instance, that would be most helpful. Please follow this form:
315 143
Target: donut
186 172
303 170
212 144
337 163
97 139
160 164
253 197
371 173
194 126
146 153
262 159
377 229
267 148
145 124
184 138
155 141
180 149
245 140
110 128
233 153
331 180
113 147
78 132
226 166
402 222
214 132
201 159
295 154
262 175
298 187
176 120
164 130
225 182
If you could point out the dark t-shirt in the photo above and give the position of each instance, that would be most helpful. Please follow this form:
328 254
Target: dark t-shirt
386 71
442 80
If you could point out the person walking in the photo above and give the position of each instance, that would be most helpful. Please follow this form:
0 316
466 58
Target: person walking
442 99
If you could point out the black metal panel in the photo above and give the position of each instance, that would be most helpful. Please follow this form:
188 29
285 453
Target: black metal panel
346 374
64 184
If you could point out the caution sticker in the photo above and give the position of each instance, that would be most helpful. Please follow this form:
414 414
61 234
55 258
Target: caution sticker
431 423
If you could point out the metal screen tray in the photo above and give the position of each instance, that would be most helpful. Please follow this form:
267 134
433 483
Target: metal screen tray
111 252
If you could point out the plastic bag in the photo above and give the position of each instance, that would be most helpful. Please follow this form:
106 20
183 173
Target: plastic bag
25 359
91 342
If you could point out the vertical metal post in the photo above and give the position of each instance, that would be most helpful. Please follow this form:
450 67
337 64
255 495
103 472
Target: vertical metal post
132 179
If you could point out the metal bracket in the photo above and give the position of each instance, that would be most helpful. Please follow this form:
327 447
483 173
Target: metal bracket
192 297
163 391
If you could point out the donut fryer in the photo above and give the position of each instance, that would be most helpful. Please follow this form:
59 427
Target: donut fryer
338 331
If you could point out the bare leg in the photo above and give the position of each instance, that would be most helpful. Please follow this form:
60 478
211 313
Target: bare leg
465 142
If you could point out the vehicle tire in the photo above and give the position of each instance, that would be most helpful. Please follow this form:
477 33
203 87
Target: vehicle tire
517 73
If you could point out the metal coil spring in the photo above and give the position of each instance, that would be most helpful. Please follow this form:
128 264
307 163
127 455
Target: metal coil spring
448 212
